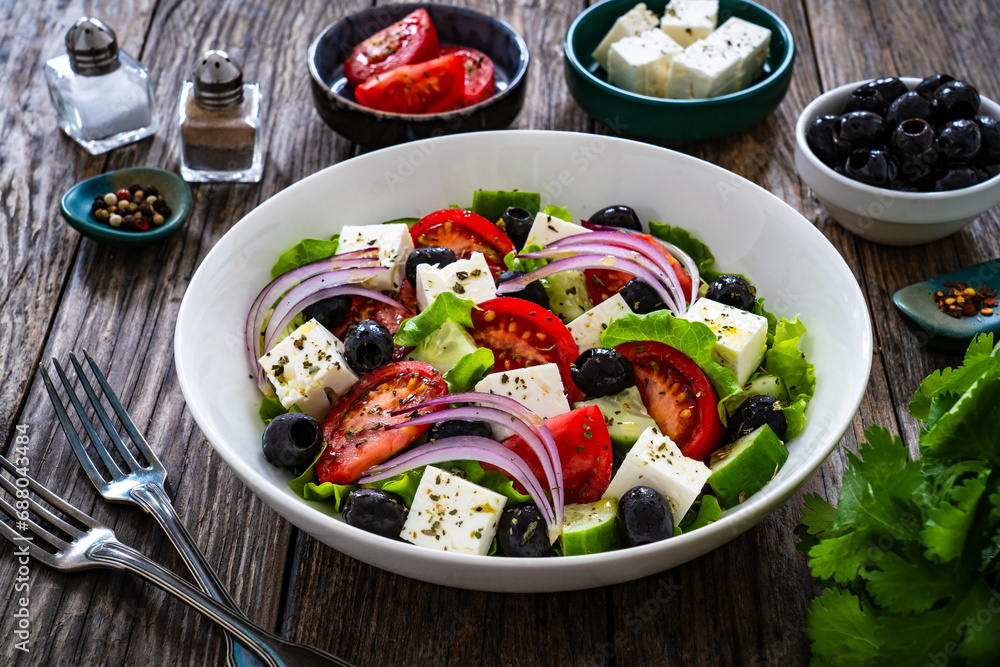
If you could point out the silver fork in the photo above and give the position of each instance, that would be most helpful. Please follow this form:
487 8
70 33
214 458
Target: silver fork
141 486
95 546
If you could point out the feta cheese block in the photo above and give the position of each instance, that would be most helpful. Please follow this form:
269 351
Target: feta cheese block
308 369
740 336
703 70
655 461
468 278
641 64
546 229
750 41
587 329
538 388
687 21
632 22
449 513
394 245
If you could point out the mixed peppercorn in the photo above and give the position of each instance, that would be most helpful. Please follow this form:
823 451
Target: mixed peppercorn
960 300
133 208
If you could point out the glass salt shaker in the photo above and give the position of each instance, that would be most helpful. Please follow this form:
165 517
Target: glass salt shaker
103 96
219 120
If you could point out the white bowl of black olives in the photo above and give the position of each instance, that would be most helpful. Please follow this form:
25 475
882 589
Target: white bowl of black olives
901 161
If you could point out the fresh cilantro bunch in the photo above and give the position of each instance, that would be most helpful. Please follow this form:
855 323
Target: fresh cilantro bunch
909 557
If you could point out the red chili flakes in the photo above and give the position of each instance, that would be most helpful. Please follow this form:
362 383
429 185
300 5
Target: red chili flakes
962 301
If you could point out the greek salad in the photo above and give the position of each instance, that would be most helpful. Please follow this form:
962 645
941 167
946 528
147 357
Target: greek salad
506 379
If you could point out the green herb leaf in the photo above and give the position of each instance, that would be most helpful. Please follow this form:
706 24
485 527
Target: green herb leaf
446 306
842 630
305 252
469 370
948 524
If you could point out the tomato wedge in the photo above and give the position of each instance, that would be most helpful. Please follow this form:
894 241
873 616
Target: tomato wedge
677 395
411 40
480 81
424 87
464 232
602 284
354 430
387 316
584 446
523 334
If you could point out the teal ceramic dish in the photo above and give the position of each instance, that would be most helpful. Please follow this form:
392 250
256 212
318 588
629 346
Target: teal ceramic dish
942 332
75 205
668 119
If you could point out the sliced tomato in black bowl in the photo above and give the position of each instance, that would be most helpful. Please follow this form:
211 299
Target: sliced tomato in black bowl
464 232
677 396
354 430
426 87
523 334
480 81
411 40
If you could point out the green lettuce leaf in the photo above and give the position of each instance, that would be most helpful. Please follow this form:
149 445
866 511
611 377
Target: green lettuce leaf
409 222
784 360
403 485
308 487
270 407
515 263
558 212
446 306
682 238
305 252
469 370
702 513
694 339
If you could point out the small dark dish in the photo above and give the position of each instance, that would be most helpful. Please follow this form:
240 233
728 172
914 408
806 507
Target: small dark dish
76 203
335 101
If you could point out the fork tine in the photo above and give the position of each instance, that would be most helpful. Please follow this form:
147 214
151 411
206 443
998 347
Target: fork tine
103 416
74 439
54 541
34 550
133 432
54 500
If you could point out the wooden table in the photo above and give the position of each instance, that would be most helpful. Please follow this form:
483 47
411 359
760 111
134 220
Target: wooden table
743 604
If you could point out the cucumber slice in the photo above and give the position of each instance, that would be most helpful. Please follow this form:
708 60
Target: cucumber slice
625 416
568 296
769 385
444 347
742 468
491 204
590 528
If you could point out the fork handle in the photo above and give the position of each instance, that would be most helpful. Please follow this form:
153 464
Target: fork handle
271 649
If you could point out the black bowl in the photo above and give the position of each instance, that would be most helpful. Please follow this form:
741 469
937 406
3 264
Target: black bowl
456 26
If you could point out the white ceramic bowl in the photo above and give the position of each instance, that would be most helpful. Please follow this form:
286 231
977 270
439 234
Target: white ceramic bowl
751 232
878 214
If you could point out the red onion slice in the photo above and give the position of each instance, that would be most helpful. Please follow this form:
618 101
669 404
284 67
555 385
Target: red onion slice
622 239
689 265
471 448
600 262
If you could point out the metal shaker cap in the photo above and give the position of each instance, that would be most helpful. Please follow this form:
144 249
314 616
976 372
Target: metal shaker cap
92 47
218 80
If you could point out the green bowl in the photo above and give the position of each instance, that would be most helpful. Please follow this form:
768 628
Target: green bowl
75 205
668 119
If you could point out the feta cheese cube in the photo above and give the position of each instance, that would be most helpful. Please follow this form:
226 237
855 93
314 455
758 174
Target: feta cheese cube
655 461
632 22
308 369
704 70
687 21
452 514
538 388
394 246
641 64
546 229
750 41
740 336
587 328
468 278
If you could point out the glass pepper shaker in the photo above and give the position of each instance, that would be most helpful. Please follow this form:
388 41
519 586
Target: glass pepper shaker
103 96
219 120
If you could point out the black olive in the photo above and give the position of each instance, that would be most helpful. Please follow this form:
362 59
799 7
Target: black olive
857 129
734 291
957 178
533 291
644 516
376 511
820 138
989 128
910 105
602 372
623 217
457 427
640 297
430 255
957 99
754 413
292 440
866 98
891 87
929 86
960 139
331 313
522 533
368 346
872 166
517 223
